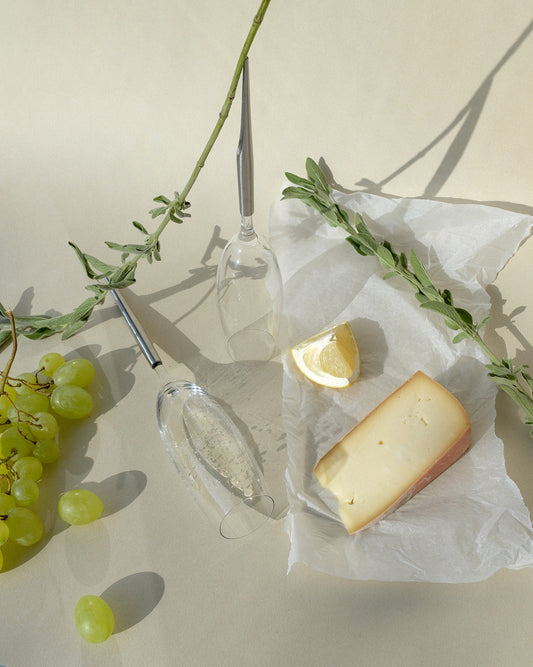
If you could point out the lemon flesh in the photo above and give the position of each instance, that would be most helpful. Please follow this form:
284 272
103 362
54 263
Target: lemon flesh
330 358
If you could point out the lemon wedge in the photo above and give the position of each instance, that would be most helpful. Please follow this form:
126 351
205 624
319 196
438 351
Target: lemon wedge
330 358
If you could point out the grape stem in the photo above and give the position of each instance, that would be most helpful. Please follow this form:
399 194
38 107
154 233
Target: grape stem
14 347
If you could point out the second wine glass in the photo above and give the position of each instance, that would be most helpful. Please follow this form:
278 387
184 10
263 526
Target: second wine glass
249 285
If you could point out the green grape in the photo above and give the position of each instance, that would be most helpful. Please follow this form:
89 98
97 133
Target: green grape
25 527
80 506
25 491
94 619
78 372
4 533
7 502
11 440
71 402
29 404
4 482
1 561
6 401
43 426
47 451
28 467
50 362
27 385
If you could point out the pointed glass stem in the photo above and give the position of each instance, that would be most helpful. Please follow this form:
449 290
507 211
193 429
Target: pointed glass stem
247 231
163 374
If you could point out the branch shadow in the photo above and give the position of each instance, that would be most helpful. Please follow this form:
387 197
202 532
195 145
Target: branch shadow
465 122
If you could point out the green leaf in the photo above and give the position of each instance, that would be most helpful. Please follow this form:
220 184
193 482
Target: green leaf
527 377
330 216
385 256
175 218
316 175
140 227
130 248
445 310
104 268
293 192
4 337
419 270
123 277
504 369
460 336
162 200
518 397
482 323
362 250
156 212
465 316
447 296
298 180
84 261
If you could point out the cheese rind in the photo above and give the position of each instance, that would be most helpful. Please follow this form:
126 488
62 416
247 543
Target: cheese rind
395 451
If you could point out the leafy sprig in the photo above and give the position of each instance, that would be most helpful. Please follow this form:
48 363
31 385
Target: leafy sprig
316 192
106 276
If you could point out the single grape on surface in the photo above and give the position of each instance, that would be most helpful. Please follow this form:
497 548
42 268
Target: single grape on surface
94 619
79 507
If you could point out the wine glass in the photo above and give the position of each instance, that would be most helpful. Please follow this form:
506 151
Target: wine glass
206 447
249 286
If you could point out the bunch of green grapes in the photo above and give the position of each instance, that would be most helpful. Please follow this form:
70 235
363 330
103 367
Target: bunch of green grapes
29 407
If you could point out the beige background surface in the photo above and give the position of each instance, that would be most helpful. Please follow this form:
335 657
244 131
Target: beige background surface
104 105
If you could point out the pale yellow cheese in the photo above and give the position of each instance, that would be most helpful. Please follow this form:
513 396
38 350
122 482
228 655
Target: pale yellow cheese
401 446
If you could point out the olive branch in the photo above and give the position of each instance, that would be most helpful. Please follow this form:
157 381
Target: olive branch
105 276
316 192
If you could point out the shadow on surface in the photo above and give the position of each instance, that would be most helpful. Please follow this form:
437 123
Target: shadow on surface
133 597
465 122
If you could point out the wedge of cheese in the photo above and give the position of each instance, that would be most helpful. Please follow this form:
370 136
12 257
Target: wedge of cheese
395 451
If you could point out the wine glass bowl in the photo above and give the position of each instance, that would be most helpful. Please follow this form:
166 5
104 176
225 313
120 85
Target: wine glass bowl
249 297
213 459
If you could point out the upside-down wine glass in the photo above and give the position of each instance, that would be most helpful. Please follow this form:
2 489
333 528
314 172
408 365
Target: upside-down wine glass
249 286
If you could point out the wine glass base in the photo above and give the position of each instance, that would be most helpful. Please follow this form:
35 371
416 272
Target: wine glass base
252 345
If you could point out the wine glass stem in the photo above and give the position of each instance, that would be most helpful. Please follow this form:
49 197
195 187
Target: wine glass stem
247 227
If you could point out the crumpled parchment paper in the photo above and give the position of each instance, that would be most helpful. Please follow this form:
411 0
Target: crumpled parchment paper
470 521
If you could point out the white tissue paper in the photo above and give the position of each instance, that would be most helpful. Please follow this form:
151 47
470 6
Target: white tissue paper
469 522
